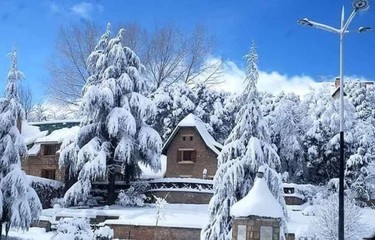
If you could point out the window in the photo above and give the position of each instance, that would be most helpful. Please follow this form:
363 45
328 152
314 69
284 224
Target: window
49 173
50 149
186 137
241 232
186 155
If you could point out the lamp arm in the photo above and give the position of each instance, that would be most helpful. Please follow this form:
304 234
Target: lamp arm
346 25
324 27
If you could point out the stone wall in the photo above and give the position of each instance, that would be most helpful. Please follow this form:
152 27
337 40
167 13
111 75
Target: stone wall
34 165
154 233
184 197
253 227
205 157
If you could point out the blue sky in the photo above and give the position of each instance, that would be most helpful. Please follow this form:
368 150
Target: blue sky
283 46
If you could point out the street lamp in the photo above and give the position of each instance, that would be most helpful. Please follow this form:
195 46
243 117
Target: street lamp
358 5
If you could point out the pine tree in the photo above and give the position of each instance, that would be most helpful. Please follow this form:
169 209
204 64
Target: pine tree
19 203
114 136
246 149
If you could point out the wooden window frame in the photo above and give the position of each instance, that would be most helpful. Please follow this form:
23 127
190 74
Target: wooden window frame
181 159
50 149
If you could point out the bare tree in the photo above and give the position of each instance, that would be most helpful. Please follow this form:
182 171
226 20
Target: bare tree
168 55
26 99
68 69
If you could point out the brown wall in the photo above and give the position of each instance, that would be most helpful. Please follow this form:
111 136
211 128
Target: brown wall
253 227
205 158
33 165
184 197
154 233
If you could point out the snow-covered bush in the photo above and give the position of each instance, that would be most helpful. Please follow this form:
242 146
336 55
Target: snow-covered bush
130 197
103 233
134 195
326 219
73 228
47 190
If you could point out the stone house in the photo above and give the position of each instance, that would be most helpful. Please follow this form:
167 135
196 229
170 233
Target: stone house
43 141
191 151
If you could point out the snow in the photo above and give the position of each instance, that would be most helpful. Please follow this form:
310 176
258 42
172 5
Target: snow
258 202
56 121
30 133
34 233
148 173
183 180
34 150
193 121
58 136
175 215
44 181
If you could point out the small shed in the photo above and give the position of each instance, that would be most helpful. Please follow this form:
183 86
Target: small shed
257 216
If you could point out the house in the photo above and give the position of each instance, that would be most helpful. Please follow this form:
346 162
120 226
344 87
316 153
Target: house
43 141
191 151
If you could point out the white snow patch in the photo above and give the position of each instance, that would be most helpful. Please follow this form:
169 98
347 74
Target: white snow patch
30 133
58 136
258 202
148 173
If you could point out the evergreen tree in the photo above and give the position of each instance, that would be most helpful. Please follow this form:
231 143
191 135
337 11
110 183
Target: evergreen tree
246 149
173 102
19 203
114 136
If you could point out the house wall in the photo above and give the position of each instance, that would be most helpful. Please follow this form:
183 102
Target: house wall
154 233
205 158
34 165
183 197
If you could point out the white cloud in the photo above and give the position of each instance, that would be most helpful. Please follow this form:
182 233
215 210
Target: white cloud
273 82
83 9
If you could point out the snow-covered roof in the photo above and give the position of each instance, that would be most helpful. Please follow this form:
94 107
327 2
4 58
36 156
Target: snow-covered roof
58 136
193 121
258 202
56 121
34 150
31 133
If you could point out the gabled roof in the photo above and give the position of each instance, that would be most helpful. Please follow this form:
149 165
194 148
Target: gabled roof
193 121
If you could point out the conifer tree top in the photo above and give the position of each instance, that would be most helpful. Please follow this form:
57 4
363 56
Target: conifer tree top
14 75
252 73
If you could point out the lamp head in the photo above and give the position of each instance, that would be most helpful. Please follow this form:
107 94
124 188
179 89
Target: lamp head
360 5
305 22
364 29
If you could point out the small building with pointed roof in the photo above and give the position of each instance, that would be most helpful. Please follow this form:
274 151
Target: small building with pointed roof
257 216
191 150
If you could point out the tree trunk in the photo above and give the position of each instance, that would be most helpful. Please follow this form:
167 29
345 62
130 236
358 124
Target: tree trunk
111 196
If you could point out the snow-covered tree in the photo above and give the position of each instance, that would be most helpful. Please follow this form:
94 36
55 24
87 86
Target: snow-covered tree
19 203
210 108
321 143
326 219
286 133
246 149
173 103
114 136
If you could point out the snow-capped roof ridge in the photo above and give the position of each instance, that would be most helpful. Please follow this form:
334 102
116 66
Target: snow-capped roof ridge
258 202
193 121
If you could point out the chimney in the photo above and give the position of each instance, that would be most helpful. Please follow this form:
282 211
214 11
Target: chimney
337 82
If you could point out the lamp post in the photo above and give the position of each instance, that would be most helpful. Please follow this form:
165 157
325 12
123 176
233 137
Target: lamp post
358 5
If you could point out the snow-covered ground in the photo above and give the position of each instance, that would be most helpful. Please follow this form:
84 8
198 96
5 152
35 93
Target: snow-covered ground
177 215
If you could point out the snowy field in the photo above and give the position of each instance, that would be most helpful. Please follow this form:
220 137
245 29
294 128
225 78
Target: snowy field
177 215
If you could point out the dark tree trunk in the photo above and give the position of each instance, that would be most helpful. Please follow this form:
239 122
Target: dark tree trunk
111 196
